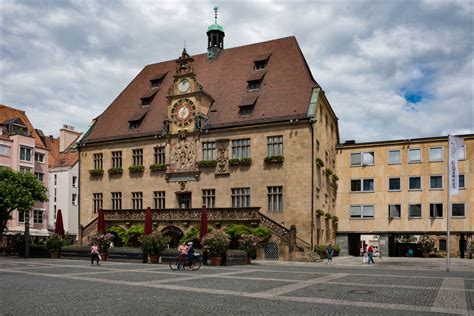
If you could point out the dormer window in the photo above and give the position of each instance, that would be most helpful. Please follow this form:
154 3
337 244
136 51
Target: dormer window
147 98
247 105
255 80
137 119
261 61
156 81
254 85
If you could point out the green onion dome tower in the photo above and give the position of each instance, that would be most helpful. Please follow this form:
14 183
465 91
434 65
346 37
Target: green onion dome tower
215 38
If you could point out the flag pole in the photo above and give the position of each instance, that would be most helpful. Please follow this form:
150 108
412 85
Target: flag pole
448 241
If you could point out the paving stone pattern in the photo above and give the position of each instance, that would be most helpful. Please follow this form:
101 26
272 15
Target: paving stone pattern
73 287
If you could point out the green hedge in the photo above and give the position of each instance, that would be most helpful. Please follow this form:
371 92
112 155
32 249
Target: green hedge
138 168
157 166
271 159
96 172
207 163
115 170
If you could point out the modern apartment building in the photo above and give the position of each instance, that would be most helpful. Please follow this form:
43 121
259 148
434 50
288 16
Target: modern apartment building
390 189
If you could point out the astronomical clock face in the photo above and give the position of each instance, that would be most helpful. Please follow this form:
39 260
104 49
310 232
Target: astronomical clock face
183 112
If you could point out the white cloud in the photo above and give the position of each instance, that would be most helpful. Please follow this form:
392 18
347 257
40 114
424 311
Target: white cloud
64 62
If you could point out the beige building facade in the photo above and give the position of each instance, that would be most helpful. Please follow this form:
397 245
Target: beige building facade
238 130
390 189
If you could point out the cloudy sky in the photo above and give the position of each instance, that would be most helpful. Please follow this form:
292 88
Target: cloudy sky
397 70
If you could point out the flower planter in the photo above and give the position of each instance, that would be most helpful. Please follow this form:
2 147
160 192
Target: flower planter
216 261
104 256
55 254
249 260
154 258
425 254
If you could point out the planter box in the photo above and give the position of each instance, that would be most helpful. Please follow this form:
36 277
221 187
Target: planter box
126 254
76 252
236 257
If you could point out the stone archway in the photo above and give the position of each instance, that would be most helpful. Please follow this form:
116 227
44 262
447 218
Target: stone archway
175 233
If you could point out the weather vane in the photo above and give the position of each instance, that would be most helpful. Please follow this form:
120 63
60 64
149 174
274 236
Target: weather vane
215 14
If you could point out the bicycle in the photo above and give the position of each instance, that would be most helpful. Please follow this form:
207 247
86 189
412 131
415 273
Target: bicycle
181 263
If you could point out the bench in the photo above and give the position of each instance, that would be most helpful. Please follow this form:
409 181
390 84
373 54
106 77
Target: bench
75 252
125 254
236 257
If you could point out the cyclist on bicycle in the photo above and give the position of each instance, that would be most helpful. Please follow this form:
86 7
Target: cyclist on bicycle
190 254
183 253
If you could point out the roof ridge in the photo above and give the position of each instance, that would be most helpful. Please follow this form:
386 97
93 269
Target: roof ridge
10 107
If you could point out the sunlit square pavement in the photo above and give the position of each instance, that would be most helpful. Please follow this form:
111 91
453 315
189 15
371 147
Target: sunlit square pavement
393 286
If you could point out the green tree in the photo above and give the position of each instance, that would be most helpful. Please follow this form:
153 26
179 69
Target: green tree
18 190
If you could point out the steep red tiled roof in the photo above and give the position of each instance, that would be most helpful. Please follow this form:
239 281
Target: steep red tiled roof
67 158
285 90
53 145
8 113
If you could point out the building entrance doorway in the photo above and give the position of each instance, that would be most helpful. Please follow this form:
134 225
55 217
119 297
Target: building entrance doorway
184 200
174 233
354 244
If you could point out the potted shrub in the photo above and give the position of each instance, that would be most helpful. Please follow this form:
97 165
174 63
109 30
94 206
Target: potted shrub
246 161
216 244
234 161
103 241
319 212
54 244
158 167
328 171
115 170
274 159
319 162
328 216
207 163
248 243
426 245
137 168
335 218
154 244
335 177
96 172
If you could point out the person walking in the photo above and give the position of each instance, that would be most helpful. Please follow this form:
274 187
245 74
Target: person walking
329 253
364 252
94 253
190 255
370 251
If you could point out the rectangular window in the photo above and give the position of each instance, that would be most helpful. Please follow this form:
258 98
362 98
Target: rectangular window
98 161
458 209
137 200
462 184
37 216
159 199
4 150
414 210
159 155
414 155
55 194
74 199
394 184
394 157
462 153
362 211
436 182
116 200
436 210
117 159
97 199
362 185
25 153
275 199
39 157
209 198
209 151
23 216
74 181
240 197
394 211
241 148
362 159
137 156
275 146
55 179
54 212
39 176
25 169
436 154
414 183
442 245
254 84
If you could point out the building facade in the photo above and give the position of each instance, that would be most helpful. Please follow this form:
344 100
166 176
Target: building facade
22 149
64 179
238 130
390 189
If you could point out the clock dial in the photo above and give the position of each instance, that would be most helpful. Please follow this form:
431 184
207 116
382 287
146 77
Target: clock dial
183 85
183 112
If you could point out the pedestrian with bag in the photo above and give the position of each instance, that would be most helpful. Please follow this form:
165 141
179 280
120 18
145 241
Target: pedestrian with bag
95 254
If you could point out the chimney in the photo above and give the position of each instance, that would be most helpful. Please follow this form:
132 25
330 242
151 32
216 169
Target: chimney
67 135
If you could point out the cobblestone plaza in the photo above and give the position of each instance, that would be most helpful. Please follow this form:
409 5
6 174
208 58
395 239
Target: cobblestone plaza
393 286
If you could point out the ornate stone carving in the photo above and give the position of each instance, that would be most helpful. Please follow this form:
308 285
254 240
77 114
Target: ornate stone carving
183 156
221 161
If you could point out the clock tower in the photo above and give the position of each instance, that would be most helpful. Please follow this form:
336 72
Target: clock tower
188 105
